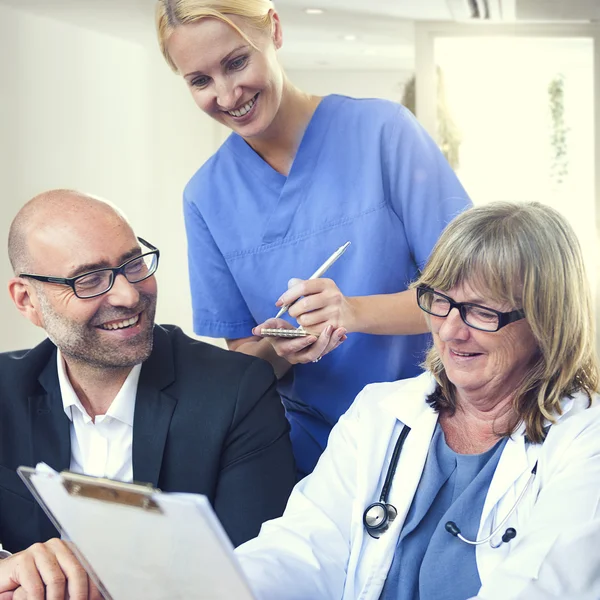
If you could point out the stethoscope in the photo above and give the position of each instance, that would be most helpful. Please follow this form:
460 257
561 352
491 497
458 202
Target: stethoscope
378 516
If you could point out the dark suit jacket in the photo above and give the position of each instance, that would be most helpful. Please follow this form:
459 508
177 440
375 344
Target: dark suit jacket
206 421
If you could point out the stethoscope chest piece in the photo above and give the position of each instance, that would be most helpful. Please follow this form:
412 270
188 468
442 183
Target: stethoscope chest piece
378 517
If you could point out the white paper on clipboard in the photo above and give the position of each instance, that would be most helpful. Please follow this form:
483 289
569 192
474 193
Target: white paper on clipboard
139 543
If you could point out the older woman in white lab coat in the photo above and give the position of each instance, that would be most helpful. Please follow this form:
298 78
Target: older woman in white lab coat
480 477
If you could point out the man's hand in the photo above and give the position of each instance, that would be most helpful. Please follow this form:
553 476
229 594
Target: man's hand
46 571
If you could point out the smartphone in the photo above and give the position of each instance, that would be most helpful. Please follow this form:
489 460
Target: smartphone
288 333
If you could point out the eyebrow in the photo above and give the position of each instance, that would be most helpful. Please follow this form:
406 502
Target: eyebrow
222 62
86 268
228 56
475 300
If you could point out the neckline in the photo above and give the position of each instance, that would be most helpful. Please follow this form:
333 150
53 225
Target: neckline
250 158
475 457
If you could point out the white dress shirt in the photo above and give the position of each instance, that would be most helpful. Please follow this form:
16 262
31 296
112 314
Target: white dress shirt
102 448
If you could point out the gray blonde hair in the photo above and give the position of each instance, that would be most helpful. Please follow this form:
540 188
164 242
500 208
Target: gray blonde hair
174 13
528 256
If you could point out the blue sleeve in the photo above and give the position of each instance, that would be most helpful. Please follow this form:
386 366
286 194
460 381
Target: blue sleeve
424 190
219 308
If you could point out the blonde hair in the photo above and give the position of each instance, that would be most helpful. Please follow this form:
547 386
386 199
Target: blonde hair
528 256
174 13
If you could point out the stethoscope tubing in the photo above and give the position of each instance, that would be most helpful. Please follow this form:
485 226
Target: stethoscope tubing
497 529
385 489
376 530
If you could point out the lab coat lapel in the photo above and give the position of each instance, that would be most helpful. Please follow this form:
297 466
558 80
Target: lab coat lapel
422 419
153 410
406 480
411 463
513 463
509 481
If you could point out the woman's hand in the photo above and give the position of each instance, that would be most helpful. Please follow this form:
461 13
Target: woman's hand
300 350
320 303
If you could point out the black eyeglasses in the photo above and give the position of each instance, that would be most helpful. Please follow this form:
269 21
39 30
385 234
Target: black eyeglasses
98 282
474 315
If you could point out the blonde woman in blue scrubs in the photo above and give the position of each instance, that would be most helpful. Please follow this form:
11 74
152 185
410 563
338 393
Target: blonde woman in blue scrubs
299 176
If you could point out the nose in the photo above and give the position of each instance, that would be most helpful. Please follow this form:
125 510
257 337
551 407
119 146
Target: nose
453 327
123 293
228 94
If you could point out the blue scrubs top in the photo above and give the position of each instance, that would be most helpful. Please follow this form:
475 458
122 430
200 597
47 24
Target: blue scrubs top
430 563
365 172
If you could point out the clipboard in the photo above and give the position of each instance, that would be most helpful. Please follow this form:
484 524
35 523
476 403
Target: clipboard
136 542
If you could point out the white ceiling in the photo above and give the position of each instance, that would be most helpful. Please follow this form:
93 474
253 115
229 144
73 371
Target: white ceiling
558 10
383 29
382 41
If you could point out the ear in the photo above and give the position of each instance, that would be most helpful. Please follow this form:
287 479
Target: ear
277 33
25 299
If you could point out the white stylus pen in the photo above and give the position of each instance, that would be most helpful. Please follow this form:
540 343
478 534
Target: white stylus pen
318 273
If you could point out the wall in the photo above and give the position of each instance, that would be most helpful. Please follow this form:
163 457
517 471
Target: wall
83 109
361 84
98 113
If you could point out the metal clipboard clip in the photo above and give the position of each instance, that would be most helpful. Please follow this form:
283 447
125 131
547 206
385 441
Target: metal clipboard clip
138 495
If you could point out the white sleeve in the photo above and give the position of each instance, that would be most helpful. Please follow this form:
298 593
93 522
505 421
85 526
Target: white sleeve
304 554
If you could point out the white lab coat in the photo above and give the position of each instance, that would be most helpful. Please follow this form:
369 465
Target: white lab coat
319 549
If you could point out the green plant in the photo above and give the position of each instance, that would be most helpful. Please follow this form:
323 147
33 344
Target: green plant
559 168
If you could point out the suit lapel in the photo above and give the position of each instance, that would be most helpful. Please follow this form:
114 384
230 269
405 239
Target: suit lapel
50 434
153 410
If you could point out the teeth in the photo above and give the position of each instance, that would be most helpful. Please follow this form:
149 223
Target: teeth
242 111
122 324
463 353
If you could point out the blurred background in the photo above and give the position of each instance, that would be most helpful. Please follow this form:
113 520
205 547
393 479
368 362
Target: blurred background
510 89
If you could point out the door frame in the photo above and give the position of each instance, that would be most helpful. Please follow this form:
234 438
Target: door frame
426 34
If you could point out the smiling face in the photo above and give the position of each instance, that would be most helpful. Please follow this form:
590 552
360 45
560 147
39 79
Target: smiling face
482 365
231 81
113 330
